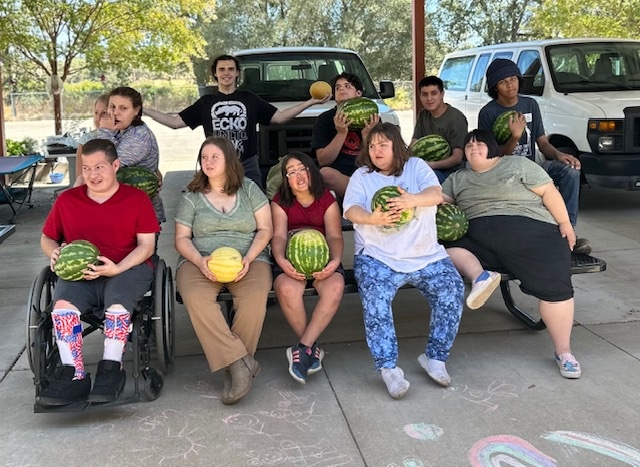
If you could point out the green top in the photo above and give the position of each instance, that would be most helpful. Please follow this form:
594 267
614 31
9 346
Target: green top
213 229
505 190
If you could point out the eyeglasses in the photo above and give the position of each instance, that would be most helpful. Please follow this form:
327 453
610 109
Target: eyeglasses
293 173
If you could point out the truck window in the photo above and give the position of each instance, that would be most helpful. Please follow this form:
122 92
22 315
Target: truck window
287 76
455 72
478 73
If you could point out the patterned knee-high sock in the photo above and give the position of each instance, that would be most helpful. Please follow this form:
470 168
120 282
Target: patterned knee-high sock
66 323
116 332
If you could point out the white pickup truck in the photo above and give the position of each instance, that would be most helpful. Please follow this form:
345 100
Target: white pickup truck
283 75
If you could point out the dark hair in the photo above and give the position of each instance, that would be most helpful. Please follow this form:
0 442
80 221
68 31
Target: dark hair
486 137
97 145
136 101
220 58
351 78
431 81
233 167
316 183
401 152
493 92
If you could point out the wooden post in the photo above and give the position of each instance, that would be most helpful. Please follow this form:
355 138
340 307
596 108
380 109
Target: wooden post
418 53
3 140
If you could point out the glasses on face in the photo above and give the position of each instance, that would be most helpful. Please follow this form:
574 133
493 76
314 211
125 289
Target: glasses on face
293 173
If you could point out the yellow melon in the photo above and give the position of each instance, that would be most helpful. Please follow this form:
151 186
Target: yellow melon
225 263
320 89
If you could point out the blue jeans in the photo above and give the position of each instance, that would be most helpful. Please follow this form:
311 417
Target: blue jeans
442 174
440 284
567 179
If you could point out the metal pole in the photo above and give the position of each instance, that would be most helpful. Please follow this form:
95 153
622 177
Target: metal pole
3 141
418 53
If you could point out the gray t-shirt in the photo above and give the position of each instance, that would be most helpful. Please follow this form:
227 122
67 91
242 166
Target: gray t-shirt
452 125
505 190
213 229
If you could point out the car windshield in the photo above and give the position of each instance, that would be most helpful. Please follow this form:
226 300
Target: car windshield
287 76
595 66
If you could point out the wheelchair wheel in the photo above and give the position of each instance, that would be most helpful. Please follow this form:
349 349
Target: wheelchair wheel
163 316
153 383
40 337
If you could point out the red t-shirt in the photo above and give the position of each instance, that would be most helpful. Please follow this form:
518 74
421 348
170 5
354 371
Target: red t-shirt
111 226
299 217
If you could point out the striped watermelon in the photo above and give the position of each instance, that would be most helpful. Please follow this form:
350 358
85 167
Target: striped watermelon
500 128
74 259
359 110
140 178
380 198
451 222
431 148
308 251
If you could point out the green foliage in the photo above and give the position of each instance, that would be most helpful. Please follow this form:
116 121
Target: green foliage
24 147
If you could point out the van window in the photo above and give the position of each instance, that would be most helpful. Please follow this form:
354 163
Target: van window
595 66
455 73
478 73
532 73
504 54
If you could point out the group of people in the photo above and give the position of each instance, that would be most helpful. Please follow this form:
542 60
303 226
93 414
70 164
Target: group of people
516 229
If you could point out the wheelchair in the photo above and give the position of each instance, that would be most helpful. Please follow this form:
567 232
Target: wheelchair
152 335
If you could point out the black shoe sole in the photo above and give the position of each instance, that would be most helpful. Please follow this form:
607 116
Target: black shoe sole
104 398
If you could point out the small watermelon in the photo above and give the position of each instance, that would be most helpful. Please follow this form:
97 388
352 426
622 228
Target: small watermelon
225 263
380 199
500 127
140 178
431 148
74 259
451 222
308 251
359 110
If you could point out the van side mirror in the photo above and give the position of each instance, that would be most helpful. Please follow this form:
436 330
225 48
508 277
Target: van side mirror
528 87
387 90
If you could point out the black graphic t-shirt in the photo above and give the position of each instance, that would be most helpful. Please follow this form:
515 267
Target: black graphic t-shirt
233 116
324 130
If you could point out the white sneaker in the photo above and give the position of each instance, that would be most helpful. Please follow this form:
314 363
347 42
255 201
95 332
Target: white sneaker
394 379
482 289
436 370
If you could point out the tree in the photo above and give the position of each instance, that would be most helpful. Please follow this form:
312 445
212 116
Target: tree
463 23
51 35
586 18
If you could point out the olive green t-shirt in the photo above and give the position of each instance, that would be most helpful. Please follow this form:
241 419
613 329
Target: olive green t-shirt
213 229
505 190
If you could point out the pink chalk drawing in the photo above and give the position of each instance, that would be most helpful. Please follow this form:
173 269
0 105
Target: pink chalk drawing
423 431
506 450
604 446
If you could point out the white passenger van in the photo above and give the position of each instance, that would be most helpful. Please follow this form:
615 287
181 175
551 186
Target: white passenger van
588 91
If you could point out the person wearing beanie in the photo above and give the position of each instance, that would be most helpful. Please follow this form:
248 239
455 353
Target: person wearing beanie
504 81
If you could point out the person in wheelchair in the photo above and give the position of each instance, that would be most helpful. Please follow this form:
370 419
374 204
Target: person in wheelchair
120 221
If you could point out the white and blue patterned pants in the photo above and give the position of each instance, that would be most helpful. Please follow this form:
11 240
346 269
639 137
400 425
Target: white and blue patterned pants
441 285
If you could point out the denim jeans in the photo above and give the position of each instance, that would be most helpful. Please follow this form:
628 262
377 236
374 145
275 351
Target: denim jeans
567 179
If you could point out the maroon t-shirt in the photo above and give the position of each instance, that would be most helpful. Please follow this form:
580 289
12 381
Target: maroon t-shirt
299 217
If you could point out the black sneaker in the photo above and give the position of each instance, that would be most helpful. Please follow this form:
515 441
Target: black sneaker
315 365
299 357
582 246
63 389
110 380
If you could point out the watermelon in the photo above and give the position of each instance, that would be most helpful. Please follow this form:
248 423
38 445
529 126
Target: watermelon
74 259
308 251
451 222
431 148
359 110
500 127
225 263
140 178
380 199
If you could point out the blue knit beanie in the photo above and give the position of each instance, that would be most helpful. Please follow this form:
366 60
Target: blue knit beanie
500 69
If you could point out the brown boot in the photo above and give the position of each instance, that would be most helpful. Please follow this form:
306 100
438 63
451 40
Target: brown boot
242 372
227 384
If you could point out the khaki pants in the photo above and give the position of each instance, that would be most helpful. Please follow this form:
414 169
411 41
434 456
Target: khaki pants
224 344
